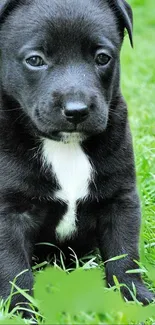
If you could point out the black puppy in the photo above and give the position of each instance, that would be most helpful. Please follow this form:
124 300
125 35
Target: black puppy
67 172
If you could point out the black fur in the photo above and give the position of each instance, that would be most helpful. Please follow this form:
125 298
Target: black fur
68 33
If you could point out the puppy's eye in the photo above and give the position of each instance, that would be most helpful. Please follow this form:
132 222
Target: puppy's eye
35 61
102 58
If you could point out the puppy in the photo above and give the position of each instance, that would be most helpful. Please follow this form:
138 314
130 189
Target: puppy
67 174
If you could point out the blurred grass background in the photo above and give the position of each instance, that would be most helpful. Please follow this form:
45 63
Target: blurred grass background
138 84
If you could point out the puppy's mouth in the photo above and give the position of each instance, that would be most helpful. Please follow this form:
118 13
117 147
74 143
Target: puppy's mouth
65 136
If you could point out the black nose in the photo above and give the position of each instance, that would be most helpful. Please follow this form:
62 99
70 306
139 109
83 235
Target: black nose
76 112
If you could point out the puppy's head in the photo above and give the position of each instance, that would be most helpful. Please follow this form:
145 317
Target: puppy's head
60 61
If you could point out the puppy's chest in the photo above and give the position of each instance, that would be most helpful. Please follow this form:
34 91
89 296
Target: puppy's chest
73 173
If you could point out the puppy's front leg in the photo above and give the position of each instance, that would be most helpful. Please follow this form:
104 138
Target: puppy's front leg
15 256
118 234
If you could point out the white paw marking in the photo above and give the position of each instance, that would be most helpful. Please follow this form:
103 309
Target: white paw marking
73 172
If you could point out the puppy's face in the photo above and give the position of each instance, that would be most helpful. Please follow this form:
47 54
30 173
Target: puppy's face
60 62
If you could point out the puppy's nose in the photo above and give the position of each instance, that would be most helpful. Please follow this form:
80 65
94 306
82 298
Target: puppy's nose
76 112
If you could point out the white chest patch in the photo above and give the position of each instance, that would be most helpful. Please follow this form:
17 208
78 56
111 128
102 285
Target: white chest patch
73 172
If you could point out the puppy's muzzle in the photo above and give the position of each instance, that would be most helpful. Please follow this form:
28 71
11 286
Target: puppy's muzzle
76 112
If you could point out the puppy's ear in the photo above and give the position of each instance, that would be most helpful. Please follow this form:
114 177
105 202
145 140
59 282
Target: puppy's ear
6 6
124 13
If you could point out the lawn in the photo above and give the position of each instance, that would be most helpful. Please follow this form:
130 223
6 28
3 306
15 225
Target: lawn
80 290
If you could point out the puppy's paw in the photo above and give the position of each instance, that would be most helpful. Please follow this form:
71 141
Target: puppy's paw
143 295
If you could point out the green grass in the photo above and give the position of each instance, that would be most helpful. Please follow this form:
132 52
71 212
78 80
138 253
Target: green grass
138 84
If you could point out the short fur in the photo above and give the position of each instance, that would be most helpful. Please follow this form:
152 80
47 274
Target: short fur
67 35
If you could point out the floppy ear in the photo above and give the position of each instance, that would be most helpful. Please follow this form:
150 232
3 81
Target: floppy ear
6 6
124 13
